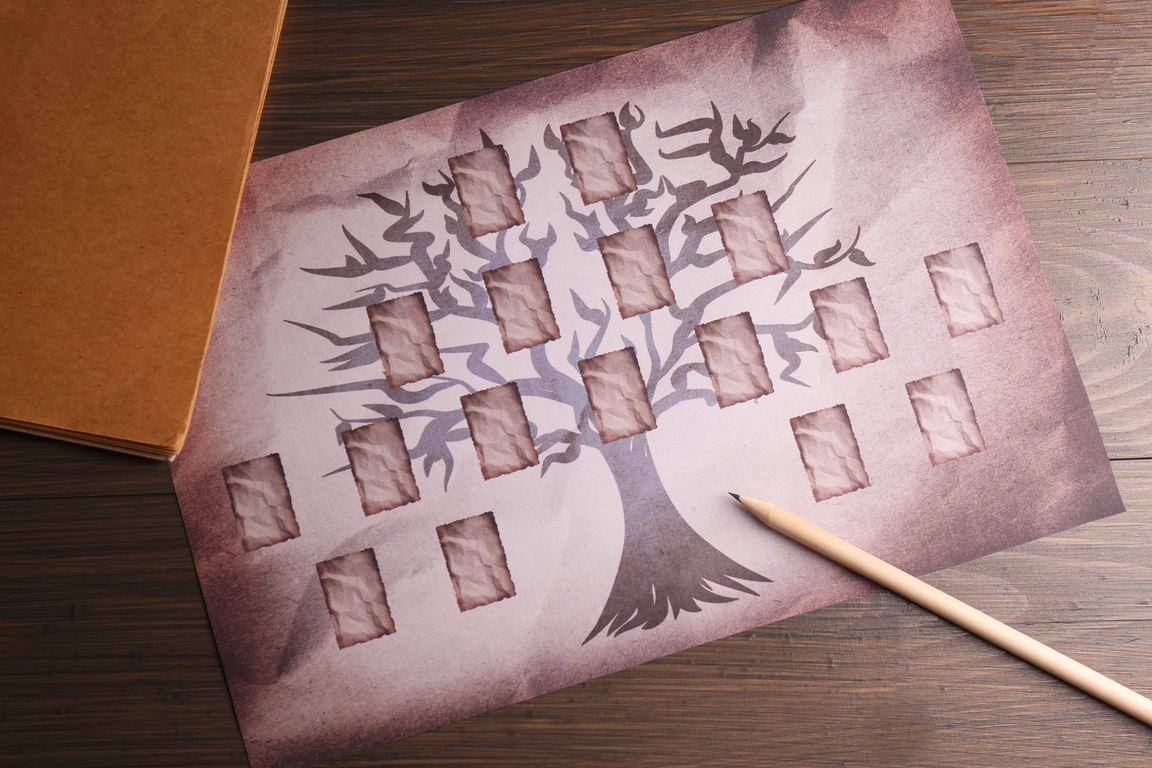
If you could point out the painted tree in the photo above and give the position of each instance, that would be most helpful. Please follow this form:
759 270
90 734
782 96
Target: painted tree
665 566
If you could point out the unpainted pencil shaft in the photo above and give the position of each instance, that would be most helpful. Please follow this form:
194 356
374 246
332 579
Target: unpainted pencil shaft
948 607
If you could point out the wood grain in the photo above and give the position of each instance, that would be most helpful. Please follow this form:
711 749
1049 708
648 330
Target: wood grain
106 656
1063 80
1092 225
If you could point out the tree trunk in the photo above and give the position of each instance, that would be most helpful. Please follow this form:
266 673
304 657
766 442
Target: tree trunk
665 565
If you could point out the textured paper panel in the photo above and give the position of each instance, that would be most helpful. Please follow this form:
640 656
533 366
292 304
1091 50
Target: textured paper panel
381 466
355 595
475 560
734 359
964 289
636 270
889 151
849 324
751 239
617 394
499 430
829 451
261 502
598 157
945 416
487 191
404 336
521 304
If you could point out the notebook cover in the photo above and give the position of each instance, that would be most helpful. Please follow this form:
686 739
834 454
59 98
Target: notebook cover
127 133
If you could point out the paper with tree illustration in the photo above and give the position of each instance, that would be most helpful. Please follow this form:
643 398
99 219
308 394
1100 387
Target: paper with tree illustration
481 379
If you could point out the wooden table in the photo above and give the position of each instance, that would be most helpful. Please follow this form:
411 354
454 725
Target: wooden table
106 656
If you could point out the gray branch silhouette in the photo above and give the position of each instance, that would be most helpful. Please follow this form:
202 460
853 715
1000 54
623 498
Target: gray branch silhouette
665 566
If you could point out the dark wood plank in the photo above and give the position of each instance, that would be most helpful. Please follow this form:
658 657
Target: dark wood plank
36 467
106 657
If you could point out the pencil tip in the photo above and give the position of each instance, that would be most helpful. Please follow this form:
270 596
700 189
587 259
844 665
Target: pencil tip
734 495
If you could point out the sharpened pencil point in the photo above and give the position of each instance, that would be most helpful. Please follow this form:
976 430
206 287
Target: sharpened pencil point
734 495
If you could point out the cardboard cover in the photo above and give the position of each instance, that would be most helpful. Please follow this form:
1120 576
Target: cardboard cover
126 138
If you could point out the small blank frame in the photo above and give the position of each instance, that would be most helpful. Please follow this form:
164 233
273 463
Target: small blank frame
381 466
261 502
849 324
734 359
500 430
487 190
355 596
636 270
964 289
751 239
945 416
476 562
599 157
617 395
521 304
404 337
829 452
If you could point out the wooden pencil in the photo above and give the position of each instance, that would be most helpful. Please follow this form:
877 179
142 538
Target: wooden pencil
948 607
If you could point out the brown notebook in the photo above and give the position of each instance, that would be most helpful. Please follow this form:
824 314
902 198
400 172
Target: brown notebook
126 136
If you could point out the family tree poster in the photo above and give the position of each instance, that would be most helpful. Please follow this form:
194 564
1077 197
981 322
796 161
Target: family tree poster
480 379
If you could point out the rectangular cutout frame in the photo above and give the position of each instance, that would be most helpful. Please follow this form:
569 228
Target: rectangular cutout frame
617 395
849 324
636 270
734 359
599 157
750 236
261 502
476 561
829 452
945 416
381 466
964 289
357 603
500 430
521 304
405 339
